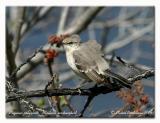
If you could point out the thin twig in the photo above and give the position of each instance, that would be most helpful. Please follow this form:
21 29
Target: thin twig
54 99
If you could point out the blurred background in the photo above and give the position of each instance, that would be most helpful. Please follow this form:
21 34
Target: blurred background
127 32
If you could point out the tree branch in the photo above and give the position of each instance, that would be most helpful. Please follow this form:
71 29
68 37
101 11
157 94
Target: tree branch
134 36
83 21
105 88
63 19
38 15
20 21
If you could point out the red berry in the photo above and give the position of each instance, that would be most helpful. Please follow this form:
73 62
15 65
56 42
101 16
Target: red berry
54 39
50 54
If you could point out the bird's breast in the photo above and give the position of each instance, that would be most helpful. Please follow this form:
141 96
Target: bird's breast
71 63
70 60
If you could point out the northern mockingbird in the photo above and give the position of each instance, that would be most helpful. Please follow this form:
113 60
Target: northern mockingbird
86 59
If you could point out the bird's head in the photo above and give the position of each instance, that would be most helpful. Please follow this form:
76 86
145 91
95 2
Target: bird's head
71 42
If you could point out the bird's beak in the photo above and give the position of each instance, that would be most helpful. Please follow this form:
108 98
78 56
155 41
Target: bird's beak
59 44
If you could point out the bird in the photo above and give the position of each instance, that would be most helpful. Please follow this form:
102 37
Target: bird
87 61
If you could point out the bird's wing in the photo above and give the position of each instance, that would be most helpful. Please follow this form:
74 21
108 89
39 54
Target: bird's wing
87 65
93 50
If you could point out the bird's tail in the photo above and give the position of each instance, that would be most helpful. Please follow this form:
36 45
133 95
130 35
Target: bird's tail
118 79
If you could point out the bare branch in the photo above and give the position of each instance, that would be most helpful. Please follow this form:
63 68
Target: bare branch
10 53
39 14
116 22
30 62
63 20
83 21
20 21
139 66
106 88
12 66
28 105
134 36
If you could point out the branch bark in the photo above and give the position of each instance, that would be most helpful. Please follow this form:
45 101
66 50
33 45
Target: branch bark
57 92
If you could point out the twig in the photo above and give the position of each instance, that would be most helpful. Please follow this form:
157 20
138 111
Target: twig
117 61
54 99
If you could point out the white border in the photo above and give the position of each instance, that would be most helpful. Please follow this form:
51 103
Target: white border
2 60
80 2
4 3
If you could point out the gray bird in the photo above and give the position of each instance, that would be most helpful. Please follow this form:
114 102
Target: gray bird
86 60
